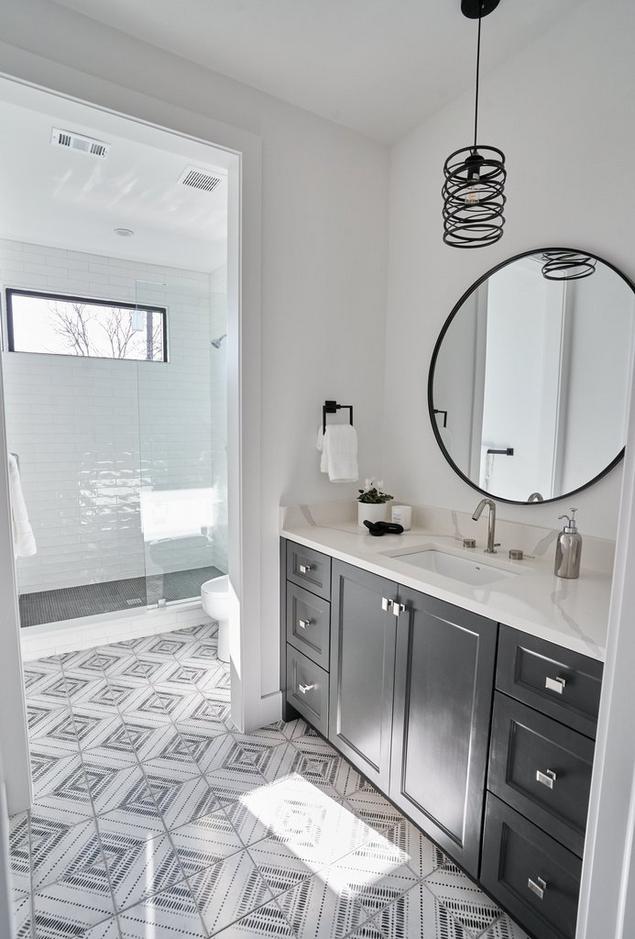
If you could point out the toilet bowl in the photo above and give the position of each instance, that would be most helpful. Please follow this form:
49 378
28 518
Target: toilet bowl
215 601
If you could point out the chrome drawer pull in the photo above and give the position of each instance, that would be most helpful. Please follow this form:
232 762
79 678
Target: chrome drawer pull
305 688
386 604
304 568
547 778
555 684
537 886
305 623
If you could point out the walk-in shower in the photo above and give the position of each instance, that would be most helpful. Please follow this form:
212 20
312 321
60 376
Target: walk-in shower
114 376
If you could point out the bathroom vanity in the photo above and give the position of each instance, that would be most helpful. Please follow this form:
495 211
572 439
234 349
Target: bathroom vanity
480 728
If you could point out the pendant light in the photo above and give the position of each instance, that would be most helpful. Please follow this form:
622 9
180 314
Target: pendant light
473 192
567 265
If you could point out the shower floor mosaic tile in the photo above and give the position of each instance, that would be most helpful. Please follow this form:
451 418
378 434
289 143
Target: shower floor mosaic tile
154 819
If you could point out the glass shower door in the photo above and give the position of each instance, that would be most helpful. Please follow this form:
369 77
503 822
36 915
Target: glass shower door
182 497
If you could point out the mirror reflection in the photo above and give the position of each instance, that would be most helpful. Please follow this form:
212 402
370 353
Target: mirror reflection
529 380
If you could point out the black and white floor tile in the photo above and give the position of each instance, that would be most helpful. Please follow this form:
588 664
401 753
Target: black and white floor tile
153 818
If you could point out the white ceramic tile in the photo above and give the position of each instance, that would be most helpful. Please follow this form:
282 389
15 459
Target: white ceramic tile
205 841
463 898
169 914
228 890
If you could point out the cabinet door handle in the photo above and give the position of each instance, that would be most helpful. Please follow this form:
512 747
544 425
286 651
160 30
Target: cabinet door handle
305 623
547 778
305 688
386 604
555 684
537 886
398 608
304 568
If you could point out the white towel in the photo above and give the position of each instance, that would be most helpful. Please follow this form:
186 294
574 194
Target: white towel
339 453
23 540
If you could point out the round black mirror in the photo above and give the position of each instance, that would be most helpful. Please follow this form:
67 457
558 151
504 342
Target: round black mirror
530 377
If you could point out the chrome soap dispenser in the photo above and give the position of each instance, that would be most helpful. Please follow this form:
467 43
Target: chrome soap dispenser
568 548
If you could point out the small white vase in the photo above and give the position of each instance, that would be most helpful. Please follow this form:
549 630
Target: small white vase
371 511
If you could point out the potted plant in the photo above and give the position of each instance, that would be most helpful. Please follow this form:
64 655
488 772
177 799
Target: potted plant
372 502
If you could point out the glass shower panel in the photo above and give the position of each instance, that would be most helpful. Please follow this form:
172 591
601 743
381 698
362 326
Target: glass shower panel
182 501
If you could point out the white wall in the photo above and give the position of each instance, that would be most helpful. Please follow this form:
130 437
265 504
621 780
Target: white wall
90 433
560 111
324 236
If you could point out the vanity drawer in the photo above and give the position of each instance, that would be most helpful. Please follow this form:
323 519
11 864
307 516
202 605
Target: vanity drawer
563 684
309 569
542 769
534 877
308 689
308 624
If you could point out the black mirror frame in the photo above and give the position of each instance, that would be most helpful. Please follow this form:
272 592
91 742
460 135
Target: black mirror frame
433 362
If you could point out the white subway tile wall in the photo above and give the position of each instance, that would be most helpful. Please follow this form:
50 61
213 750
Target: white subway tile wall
109 449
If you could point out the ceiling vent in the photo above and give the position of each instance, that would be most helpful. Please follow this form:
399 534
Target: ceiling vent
199 179
72 141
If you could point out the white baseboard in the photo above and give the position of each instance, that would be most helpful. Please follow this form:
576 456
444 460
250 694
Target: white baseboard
88 631
270 708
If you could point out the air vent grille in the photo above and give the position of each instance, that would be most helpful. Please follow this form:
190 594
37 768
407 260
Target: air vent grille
199 179
72 141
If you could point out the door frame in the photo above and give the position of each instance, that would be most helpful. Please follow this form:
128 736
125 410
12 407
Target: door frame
244 153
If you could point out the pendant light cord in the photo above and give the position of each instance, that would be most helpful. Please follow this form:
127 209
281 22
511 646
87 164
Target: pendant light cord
478 68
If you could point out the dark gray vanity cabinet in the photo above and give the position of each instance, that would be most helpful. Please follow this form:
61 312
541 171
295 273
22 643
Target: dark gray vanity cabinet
362 671
443 698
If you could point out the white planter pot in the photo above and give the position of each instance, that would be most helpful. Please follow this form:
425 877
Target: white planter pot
371 512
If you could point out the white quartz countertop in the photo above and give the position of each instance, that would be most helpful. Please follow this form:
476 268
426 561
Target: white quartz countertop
571 613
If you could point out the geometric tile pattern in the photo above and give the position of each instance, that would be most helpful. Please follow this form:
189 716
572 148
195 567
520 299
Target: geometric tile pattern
154 818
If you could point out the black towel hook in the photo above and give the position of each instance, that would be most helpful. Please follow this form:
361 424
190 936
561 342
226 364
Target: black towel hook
331 407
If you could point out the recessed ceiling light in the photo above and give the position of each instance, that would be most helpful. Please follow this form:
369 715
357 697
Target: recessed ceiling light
124 232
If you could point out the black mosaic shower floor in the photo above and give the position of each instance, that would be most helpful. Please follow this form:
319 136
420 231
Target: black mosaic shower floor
51 606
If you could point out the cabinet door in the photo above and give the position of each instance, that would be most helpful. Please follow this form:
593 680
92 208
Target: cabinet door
363 637
443 701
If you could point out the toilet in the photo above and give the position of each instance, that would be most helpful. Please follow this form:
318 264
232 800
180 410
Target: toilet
215 601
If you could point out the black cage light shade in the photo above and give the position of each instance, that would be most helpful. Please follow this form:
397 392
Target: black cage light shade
474 187
567 265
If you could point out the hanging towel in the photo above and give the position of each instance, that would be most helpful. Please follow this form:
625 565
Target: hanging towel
338 446
23 540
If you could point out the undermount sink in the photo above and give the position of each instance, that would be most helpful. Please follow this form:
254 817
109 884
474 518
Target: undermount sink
468 570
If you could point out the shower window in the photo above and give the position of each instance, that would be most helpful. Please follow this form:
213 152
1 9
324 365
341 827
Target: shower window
54 324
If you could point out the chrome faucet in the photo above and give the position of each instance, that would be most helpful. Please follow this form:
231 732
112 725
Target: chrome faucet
491 523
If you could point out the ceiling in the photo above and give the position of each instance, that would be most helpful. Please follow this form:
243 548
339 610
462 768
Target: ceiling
68 199
377 66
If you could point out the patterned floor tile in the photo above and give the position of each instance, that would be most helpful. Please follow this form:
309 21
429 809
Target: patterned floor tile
52 726
109 929
57 847
504 928
79 900
112 787
20 851
281 867
235 752
50 689
314 759
138 867
418 915
319 909
368 930
229 785
167 915
376 873
180 802
318 827
246 825
421 855
205 841
463 898
267 920
228 890
373 808
21 912
143 787
69 800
